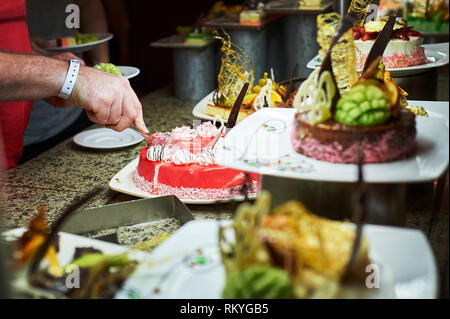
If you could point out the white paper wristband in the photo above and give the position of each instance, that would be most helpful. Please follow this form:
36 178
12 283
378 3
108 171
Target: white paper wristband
71 78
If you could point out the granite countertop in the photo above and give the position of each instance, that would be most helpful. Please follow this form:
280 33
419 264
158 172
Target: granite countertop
57 177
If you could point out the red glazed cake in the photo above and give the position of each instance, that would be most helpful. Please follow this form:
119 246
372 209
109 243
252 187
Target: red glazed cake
181 163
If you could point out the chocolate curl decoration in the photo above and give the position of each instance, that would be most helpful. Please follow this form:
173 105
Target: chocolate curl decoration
381 43
232 118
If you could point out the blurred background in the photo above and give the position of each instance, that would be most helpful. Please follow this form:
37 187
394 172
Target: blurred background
135 24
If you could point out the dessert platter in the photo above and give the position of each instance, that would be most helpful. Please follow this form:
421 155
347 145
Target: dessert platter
285 252
338 113
436 57
236 69
277 254
182 163
288 6
79 43
405 53
285 255
103 266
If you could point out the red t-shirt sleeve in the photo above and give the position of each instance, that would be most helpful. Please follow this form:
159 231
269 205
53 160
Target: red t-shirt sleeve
14 116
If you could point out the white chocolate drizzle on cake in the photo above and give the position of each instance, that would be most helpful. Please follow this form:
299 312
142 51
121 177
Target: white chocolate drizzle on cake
156 153
206 157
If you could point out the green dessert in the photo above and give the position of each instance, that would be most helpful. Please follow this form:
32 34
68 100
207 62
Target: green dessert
82 39
108 67
258 282
364 105
196 38
95 259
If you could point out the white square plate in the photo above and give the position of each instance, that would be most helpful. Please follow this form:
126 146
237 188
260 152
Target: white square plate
261 143
436 53
188 264
123 182
173 270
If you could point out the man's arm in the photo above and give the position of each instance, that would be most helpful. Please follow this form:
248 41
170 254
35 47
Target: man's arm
30 77
107 98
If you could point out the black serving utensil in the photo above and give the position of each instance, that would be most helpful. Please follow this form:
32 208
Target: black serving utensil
359 213
381 42
232 118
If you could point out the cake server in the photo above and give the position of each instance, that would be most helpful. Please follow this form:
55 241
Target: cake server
146 136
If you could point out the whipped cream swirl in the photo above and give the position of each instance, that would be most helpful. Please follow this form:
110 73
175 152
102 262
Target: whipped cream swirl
182 157
206 157
183 133
207 130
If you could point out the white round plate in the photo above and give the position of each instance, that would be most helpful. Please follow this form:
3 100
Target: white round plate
128 71
123 182
436 55
105 138
102 37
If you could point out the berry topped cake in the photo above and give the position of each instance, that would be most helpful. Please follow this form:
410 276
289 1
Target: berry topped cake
181 163
403 50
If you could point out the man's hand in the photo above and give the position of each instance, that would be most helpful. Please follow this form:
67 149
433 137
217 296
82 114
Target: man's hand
108 99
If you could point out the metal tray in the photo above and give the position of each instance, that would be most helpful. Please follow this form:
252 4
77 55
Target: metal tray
136 212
